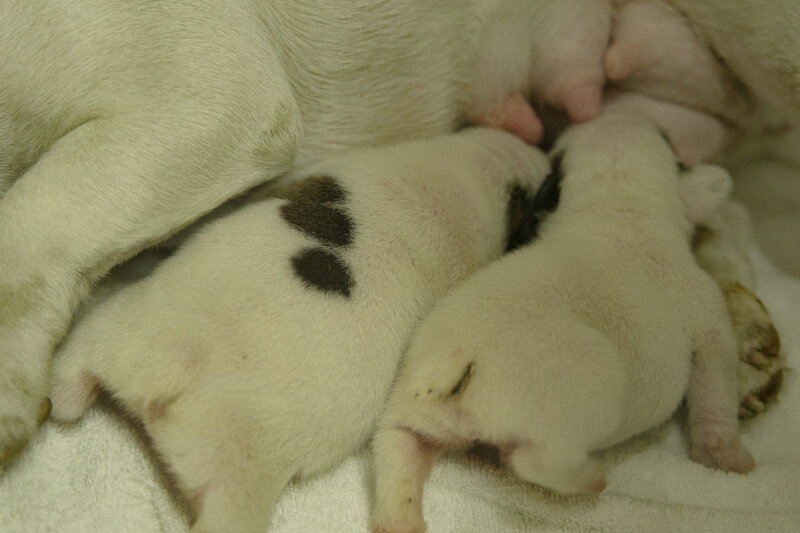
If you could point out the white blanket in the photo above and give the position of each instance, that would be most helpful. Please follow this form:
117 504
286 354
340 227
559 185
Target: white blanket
98 476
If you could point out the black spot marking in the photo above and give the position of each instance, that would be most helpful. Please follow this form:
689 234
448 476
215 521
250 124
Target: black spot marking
323 270
702 234
464 381
316 189
549 193
327 224
526 213
315 208
522 222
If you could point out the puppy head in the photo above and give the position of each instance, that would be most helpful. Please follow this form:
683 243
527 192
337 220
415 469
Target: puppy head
625 157
615 146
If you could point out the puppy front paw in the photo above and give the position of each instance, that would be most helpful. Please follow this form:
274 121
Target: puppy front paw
761 364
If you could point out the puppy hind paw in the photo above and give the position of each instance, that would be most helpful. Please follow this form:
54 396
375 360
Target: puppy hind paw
395 527
403 514
718 453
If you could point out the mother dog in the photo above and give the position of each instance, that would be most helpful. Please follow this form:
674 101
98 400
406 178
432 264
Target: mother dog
122 122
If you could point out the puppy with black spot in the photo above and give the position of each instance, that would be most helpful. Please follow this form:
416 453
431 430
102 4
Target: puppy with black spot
160 111
589 335
263 350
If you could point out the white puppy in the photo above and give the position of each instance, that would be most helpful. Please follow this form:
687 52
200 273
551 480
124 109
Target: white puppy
121 122
265 347
589 335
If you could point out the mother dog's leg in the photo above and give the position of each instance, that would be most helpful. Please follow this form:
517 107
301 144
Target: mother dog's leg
101 193
721 244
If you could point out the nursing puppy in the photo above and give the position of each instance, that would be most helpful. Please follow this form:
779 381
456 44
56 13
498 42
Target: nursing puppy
264 349
122 122
660 65
589 335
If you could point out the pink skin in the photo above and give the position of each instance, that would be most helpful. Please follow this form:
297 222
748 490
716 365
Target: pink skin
516 115
566 71
662 69
713 406
577 92
582 102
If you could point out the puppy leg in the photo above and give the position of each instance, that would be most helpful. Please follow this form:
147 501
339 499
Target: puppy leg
569 473
721 244
241 501
74 388
225 461
105 190
712 402
402 462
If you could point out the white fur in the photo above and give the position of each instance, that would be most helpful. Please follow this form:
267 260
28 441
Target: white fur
722 78
121 122
666 62
657 64
244 376
587 336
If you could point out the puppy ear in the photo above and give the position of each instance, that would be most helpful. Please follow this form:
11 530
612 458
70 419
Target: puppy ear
703 189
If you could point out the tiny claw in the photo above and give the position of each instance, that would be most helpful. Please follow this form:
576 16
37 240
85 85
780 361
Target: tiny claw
757 358
772 346
754 404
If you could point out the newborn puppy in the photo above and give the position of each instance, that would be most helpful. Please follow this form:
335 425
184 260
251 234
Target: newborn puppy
589 335
659 65
264 348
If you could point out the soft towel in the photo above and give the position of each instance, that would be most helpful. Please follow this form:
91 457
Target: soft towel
98 475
